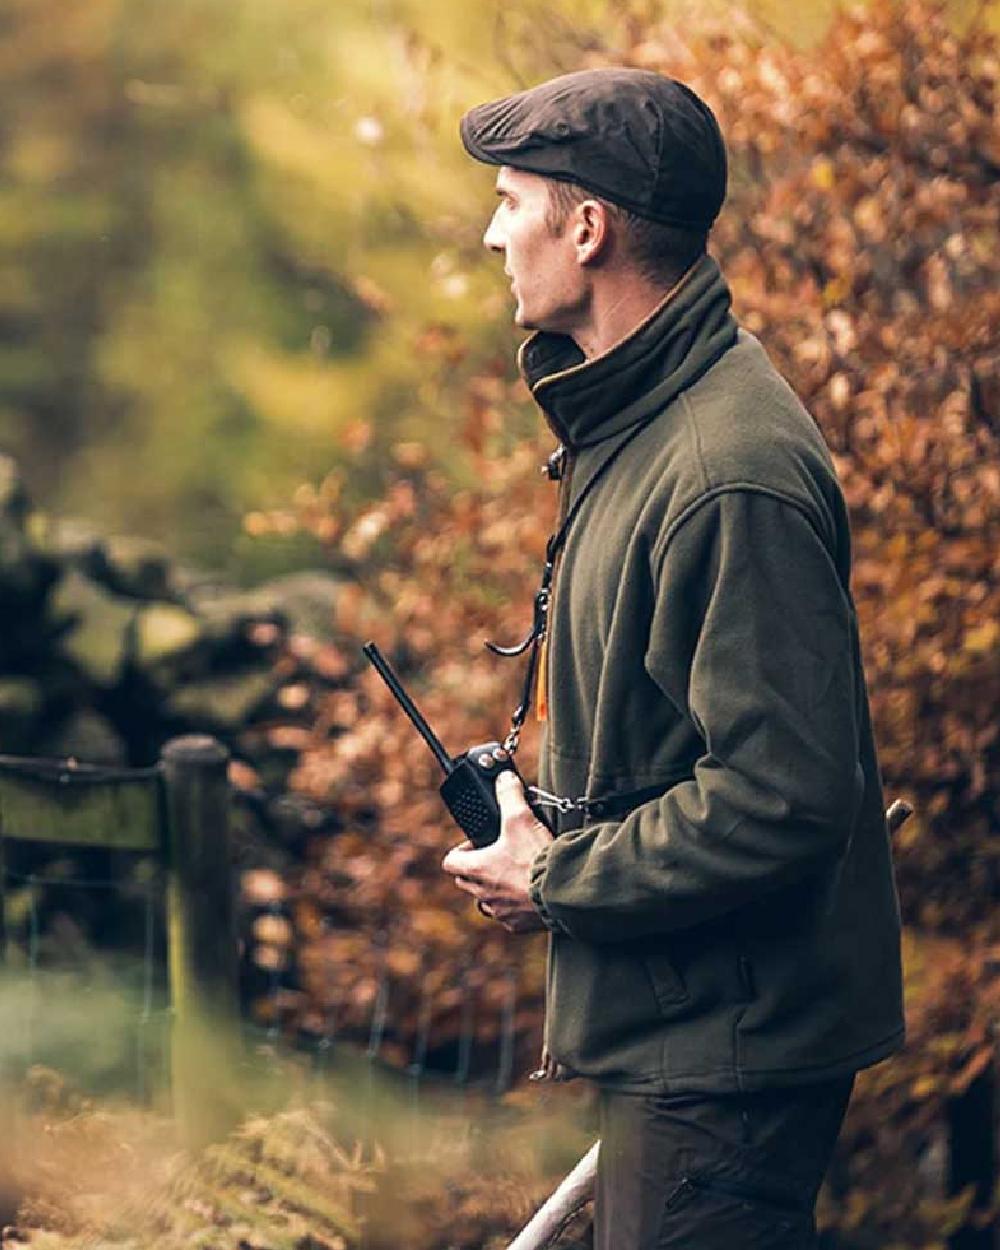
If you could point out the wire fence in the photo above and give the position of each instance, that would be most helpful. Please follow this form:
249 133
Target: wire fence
34 973
145 1012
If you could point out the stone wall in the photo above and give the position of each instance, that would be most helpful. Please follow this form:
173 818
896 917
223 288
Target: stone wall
108 648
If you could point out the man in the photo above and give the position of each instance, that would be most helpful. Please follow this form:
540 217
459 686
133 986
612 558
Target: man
724 930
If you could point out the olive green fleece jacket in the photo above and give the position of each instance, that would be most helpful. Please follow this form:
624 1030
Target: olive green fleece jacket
742 930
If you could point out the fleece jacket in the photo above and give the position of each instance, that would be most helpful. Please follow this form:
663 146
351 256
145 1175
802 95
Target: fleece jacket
741 930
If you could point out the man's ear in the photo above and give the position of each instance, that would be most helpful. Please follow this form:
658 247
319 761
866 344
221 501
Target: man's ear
591 231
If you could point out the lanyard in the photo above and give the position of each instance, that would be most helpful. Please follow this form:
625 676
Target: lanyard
532 642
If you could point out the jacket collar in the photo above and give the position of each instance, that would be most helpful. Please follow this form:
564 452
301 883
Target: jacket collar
587 401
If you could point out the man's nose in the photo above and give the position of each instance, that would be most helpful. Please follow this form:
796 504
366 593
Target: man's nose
493 239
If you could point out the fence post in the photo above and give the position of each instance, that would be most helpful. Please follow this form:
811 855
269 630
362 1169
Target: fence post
201 936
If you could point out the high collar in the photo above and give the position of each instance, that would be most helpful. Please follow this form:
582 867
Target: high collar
586 401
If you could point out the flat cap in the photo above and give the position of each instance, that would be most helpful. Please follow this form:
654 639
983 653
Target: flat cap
632 136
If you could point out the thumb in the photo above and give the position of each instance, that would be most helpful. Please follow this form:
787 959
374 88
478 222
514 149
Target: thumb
510 795
457 859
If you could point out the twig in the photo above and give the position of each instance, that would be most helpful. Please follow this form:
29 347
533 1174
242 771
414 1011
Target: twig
552 1217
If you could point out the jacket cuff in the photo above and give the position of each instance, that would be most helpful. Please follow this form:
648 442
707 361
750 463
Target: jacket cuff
538 868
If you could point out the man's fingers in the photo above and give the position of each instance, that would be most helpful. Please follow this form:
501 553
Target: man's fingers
460 860
472 887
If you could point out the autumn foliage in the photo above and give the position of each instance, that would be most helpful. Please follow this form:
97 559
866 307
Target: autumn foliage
860 244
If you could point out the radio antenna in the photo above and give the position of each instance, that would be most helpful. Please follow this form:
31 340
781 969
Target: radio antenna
382 667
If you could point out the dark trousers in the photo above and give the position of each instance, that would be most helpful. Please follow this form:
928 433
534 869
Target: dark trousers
726 1172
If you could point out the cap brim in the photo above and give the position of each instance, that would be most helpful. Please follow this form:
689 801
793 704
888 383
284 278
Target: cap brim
470 129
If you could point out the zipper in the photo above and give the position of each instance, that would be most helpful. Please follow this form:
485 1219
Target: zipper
732 1189
565 478
565 482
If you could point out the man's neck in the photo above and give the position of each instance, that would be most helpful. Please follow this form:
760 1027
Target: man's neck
618 307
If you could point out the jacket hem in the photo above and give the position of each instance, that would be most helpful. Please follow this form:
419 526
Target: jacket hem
729 1081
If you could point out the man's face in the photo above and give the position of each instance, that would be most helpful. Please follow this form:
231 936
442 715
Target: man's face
547 281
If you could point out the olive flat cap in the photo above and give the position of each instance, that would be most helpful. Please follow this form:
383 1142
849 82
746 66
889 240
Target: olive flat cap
633 137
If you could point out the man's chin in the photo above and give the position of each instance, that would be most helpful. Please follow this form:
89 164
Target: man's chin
524 320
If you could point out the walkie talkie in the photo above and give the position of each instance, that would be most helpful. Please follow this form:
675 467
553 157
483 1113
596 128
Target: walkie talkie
468 788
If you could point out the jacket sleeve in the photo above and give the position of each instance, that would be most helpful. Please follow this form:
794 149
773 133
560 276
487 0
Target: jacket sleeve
753 639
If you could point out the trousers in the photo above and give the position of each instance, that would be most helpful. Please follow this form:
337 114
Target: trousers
715 1172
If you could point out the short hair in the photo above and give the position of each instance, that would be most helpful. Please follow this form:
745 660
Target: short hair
661 253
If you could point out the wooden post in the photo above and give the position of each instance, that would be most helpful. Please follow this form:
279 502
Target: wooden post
201 934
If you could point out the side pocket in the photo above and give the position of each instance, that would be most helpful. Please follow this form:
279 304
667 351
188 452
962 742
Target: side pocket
709 1210
668 985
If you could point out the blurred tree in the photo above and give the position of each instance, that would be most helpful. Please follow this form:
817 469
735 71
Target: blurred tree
207 214
145 275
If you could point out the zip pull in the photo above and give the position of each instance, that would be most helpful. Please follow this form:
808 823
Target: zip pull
554 466
686 1187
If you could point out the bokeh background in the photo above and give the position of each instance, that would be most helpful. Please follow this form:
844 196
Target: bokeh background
258 403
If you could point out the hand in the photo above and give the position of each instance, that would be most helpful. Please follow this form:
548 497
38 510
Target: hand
497 876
